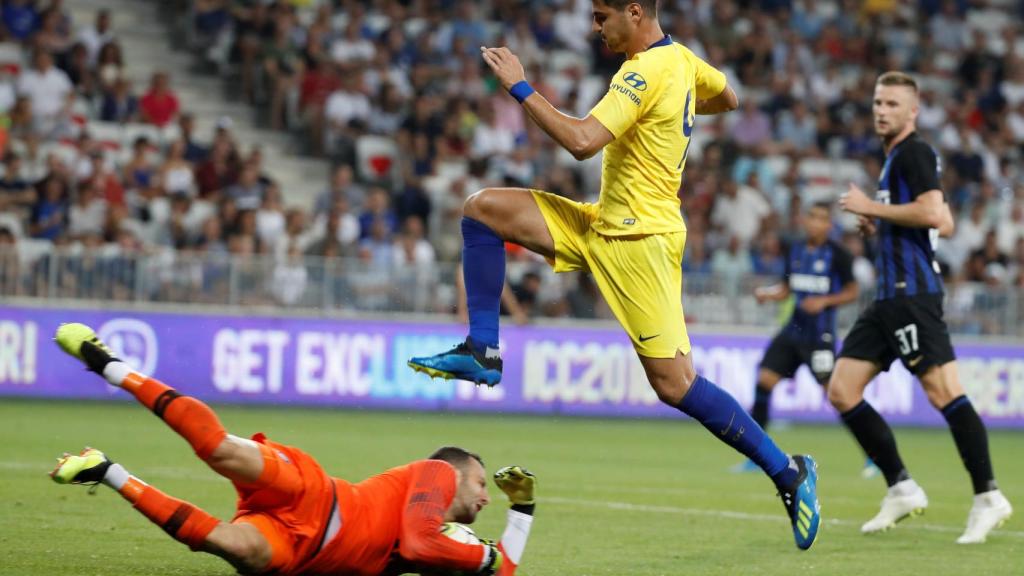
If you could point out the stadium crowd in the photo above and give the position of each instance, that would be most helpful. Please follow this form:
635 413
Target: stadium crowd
406 76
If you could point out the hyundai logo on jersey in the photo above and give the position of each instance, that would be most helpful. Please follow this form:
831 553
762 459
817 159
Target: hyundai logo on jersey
635 80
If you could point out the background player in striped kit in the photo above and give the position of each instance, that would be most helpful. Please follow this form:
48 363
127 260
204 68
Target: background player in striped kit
819 275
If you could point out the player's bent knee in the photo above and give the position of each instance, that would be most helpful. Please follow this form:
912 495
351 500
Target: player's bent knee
670 390
482 206
840 397
243 546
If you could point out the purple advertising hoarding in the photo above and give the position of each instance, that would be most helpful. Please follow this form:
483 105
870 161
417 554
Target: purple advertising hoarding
361 364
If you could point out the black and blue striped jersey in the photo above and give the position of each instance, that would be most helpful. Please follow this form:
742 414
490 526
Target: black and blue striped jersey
905 257
816 271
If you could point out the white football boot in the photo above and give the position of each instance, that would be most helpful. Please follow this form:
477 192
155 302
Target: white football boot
904 499
990 510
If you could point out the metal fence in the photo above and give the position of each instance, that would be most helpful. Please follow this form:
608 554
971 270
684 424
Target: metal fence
109 275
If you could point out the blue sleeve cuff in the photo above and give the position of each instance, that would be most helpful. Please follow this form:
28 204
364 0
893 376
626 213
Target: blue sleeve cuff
521 91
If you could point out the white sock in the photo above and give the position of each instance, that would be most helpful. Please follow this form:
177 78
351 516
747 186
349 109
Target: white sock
115 372
116 476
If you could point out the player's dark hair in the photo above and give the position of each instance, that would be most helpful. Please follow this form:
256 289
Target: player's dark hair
821 205
457 457
649 6
895 78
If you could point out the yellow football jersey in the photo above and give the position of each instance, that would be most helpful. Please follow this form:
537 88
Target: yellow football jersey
649 108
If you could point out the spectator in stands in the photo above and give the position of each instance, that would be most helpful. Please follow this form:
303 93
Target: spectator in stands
50 213
89 212
352 47
95 36
50 92
76 65
119 104
53 37
752 130
377 247
106 180
283 67
290 278
527 294
377 209
411 246
993 260
16 193
768 258
247 192
798 129
342 186
730 266
10 264
346 112
20 19
338 230
1010 228
219 170
270 222
319 81
195 152
489 137
138 173
176 175
109 67
739 211
159 106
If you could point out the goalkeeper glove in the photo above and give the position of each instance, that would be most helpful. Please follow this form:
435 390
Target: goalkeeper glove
517 483
494 558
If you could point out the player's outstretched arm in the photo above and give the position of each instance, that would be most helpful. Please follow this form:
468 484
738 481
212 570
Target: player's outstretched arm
581 137
928 210
727 101
421 542
518 484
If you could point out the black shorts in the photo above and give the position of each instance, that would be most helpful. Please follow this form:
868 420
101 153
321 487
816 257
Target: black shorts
785 355
910 328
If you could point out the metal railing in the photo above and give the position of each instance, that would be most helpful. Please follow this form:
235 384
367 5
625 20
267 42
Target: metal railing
351 284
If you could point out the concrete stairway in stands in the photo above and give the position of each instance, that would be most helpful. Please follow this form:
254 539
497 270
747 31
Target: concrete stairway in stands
146 43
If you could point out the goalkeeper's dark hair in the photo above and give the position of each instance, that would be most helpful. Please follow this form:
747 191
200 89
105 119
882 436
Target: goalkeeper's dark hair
649 6
457 457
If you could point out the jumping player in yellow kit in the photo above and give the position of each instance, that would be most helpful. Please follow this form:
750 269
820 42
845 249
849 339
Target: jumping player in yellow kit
631 240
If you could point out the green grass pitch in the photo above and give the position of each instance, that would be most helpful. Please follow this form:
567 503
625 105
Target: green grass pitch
615 497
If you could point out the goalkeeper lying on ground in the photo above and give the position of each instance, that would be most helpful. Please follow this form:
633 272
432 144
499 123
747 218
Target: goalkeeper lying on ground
292 517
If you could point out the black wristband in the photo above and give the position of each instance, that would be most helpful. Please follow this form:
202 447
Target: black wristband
524 508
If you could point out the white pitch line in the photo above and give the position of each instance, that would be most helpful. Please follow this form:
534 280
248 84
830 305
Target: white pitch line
173 473
732 515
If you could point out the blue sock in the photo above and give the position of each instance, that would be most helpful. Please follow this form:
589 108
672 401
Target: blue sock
725 418
483 266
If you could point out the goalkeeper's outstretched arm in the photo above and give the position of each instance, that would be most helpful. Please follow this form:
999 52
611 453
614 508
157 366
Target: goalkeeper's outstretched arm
518 484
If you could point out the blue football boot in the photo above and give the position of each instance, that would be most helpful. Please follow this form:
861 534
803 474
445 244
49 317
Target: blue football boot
801 502
463 362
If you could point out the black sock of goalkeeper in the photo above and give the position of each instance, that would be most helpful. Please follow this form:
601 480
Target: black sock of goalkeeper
875 437
762 400
971 441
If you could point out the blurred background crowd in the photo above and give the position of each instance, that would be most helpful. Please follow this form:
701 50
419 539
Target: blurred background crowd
110 191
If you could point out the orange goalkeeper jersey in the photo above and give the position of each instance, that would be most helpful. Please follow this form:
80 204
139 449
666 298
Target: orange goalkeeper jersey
391 523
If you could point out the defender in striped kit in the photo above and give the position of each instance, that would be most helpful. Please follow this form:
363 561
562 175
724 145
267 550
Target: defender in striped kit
905 321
